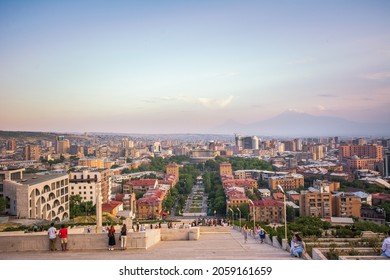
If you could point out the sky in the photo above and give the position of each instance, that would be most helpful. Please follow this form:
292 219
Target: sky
190 66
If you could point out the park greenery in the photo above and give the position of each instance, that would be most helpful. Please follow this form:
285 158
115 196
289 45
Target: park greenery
2 204
78 207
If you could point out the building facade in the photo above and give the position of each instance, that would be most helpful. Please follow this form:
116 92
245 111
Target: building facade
346 205
287 182
36 196
315 204
88 183
225 169
270 211
91 162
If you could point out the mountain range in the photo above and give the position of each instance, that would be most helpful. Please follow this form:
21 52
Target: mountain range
295 124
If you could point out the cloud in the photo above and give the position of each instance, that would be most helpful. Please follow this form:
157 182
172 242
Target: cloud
295 110
212 103
320 107
327 95
376 76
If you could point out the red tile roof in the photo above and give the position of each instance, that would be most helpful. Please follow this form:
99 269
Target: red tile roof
142 182
108 207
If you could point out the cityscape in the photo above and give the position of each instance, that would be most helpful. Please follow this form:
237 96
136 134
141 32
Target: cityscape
224 123
333 186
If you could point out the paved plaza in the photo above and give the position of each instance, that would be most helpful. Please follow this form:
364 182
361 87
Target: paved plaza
210 246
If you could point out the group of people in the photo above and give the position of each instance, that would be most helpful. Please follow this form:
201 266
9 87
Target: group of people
259 232
122 237
62 233
297 245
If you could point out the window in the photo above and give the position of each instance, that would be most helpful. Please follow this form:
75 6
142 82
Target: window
16 176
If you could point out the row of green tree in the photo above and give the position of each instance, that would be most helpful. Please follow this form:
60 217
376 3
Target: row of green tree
158 164
216 195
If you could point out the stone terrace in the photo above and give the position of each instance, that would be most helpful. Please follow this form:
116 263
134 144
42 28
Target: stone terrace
218 245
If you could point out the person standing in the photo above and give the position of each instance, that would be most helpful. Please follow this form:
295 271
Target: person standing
111 238
123 237
386 246
52 233
245 232
262 234
63 233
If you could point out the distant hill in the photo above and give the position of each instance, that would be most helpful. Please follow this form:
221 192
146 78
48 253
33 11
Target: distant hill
294 124
27 135
36 135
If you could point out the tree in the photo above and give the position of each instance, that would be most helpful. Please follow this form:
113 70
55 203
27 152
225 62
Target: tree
2 204
80 208
290 212
75 205
207 181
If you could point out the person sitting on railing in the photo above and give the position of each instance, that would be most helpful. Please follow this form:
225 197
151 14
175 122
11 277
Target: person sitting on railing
386 246
297 246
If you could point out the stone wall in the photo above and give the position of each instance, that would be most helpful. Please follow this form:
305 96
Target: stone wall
174 234
92 241
39 241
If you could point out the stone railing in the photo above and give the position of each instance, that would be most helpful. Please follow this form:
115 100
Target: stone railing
39 241
174 234
319 253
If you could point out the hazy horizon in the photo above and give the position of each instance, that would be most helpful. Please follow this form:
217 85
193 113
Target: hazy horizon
190 66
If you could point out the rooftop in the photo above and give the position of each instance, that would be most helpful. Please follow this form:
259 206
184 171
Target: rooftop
34 179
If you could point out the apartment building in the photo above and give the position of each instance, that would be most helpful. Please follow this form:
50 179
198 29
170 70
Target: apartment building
287 182
88 183
326 186
363 151
248 184
35 196
62 145
150 205
173 169
271 211
225 169
91 162
346 205
315 203
235 196
31 152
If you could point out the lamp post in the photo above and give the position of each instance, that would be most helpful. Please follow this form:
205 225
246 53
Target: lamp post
285 212
232 215
254 216
240 215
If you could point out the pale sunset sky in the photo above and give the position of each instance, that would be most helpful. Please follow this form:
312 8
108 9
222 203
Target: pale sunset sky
188 66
